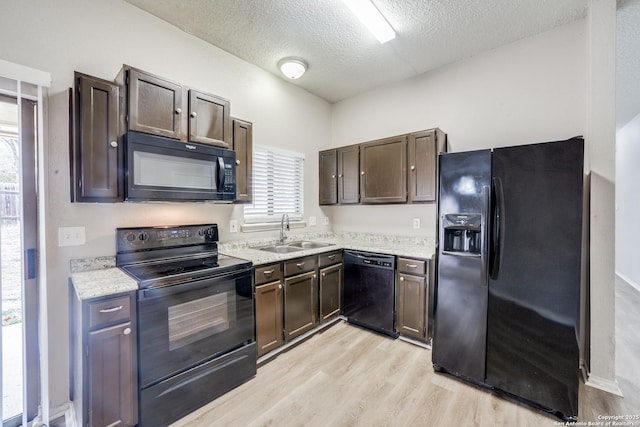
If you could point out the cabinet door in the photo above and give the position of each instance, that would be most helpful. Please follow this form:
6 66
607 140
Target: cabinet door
411 311
268 317
112 383
209 119
328 166
423 153
300 304
97 154
243 146
349 174
383 170
155 104
330 292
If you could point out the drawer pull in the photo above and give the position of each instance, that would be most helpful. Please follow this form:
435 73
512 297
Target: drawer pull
331 257
111 310
411 266
268 273
300 265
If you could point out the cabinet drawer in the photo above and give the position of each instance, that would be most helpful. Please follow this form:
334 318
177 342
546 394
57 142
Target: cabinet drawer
412 266
268 273
299 265
109 311
329 258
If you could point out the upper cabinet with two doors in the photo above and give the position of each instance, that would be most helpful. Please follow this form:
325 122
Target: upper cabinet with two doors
398 169
140 101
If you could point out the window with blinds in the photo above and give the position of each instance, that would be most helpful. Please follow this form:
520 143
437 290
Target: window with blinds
277 185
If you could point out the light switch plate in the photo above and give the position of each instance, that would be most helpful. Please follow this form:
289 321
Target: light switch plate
312 221
71 236
326 220
233 226
416 223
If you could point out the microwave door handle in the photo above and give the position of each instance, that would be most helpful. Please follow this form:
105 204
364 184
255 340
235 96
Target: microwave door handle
221 175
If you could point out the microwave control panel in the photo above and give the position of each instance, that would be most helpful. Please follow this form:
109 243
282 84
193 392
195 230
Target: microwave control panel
229 178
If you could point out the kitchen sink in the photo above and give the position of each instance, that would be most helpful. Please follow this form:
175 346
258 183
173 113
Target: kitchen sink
280 249
309 245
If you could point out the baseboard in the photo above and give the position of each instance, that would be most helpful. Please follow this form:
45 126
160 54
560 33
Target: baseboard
630 282
70 416
610 386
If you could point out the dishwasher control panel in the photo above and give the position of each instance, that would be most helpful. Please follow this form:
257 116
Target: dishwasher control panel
377 262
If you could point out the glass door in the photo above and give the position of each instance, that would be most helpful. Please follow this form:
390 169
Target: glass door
19 371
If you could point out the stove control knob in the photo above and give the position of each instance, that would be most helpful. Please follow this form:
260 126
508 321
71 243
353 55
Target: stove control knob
130 237
143 236
201 232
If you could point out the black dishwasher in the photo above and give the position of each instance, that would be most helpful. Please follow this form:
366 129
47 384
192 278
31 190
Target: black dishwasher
369 291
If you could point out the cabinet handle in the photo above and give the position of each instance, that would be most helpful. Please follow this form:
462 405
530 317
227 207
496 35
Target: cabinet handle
237 162
300 264
413 167
280 286
268 273
315 276
127 331
401 279
331 257
324 274
111 310
178 110
114 144
340 176
362 173
333 177
411 265
193 114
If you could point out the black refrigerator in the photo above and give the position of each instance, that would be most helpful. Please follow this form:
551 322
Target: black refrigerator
507 300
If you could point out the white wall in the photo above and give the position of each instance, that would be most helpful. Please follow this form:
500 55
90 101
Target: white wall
628 201
529 91
96 38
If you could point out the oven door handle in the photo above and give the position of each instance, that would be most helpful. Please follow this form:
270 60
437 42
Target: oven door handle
189 284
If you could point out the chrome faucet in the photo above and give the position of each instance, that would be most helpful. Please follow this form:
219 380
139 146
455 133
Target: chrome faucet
284 222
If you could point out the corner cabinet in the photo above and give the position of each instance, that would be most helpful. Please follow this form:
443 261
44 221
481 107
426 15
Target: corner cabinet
383 171
412 298
243 146
97 154
423 149
104 385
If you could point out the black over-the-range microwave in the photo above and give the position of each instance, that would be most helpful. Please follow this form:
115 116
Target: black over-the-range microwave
164 169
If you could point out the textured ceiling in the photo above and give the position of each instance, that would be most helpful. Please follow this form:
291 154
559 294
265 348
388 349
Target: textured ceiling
344 59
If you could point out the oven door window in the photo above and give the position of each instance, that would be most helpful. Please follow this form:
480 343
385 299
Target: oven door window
161 170
197 320
180 326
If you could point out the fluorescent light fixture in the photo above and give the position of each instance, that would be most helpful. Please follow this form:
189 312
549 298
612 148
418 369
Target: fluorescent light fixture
372 18
292 67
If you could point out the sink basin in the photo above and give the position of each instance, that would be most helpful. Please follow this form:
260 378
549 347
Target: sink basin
309 245
280 249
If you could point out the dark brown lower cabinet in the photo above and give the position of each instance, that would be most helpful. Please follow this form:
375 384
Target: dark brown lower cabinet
412 290
104 378
330 289
300 304
269 316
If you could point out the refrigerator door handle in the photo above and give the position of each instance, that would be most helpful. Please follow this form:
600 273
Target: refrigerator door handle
497 229
484 236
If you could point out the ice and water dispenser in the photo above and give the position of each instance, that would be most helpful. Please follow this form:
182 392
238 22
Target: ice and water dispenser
462 233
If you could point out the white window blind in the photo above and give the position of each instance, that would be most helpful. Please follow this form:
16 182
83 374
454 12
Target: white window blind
277 185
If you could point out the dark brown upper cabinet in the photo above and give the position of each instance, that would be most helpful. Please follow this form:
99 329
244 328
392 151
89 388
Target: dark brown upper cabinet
383 170
209 119
154 104
96 151
423 148
348 174
243 146
328 178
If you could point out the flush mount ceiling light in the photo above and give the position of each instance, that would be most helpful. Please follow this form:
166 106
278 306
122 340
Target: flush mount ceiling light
292 67
372 18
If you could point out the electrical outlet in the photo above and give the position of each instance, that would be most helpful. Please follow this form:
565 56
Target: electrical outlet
312 221
233 226
416 223
71 236
326 220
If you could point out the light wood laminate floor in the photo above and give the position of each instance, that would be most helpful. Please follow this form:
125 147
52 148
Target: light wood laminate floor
347 376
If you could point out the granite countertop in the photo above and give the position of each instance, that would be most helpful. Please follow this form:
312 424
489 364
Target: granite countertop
98 283
389 245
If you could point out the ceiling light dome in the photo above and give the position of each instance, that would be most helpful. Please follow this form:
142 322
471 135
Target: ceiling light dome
292 67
